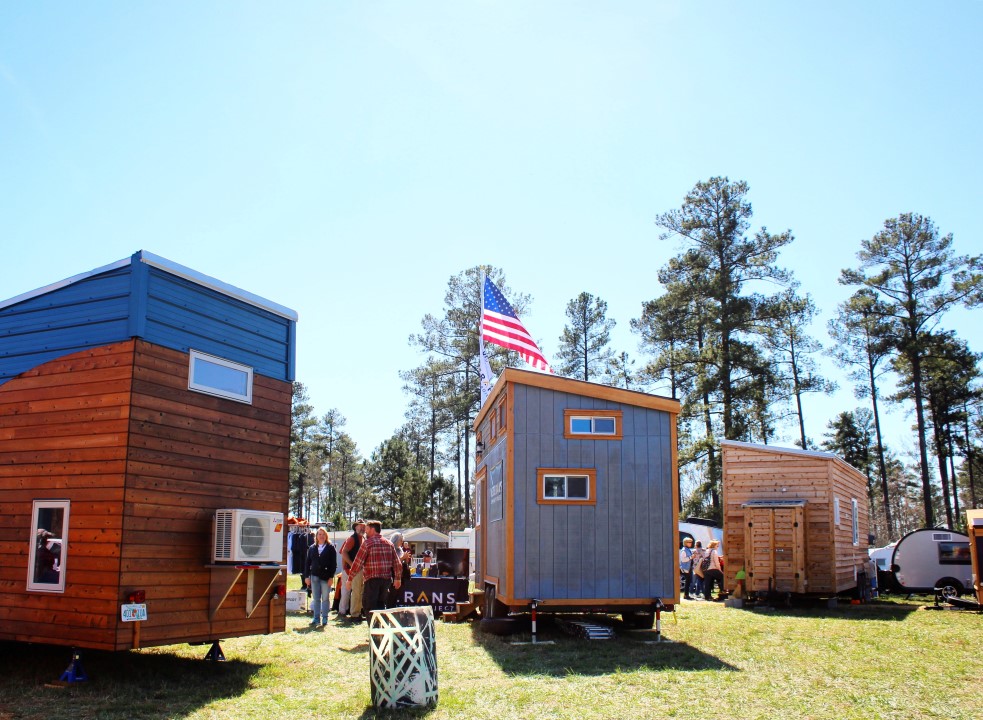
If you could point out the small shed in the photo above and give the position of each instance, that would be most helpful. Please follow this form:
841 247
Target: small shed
136 400
795 520
576 496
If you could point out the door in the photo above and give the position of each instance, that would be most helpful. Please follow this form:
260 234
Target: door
774 541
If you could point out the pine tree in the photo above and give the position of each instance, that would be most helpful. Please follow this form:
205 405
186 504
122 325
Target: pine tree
584 350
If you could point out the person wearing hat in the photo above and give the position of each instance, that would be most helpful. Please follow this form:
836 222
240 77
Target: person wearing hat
713 571
351 593
686 565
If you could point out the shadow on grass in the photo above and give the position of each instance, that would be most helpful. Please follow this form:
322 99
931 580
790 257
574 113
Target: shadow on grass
119 685
567 655
885 610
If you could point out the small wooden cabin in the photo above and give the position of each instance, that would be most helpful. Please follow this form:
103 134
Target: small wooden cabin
795 520
135 401
576 496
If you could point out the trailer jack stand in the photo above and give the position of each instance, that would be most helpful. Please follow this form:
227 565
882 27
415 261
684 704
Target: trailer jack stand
215 653
74 672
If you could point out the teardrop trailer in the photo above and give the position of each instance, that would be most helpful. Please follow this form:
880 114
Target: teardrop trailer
576 500
933 560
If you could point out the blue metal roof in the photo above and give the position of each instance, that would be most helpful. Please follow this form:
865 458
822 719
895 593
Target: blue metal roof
152 298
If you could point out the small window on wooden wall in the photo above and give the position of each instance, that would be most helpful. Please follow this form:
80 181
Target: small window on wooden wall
592 424
49 546
566 486
856 521
217 376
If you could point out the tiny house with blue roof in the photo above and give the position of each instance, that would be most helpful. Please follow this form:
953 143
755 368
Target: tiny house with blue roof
136 400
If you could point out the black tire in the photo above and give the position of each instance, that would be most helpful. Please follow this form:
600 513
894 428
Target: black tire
639 620
499 626
949 587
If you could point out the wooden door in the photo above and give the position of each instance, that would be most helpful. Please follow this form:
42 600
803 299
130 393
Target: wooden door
774 542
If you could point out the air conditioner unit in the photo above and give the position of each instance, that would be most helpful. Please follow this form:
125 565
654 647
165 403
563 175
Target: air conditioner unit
247 536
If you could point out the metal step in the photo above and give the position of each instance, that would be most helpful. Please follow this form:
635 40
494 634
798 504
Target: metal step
586 630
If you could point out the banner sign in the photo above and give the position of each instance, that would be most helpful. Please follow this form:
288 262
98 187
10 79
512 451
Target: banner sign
442 594
134 613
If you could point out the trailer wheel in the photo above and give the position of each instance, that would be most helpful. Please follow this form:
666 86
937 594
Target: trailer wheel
639 620
499 626
949 587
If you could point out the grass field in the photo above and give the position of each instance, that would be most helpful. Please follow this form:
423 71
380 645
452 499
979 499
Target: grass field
891 659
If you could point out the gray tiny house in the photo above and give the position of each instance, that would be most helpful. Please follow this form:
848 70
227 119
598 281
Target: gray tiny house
577 497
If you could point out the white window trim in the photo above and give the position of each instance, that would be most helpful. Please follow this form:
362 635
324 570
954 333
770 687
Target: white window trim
566 481
63 564
218 392
856 522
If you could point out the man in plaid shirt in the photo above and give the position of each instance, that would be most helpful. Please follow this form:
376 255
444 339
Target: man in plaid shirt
382 567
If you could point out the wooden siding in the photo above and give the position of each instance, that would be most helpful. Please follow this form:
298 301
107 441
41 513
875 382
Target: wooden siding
760 473
144 462
63 433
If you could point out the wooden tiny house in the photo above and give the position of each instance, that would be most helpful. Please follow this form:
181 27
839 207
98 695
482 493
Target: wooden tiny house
577 496
135 401
796 521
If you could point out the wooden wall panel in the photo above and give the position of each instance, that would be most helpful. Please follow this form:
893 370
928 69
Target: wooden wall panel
144 462
191 454
63 435
761 473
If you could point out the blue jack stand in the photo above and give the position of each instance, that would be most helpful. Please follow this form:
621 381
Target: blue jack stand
74 672
215 653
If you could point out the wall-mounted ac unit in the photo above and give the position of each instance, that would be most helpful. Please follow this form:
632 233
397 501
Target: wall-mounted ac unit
247 536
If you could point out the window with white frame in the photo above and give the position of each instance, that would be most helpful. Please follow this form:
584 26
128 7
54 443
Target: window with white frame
221 377
566 486
856 521
46 564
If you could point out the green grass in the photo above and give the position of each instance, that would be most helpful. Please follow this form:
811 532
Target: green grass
890 659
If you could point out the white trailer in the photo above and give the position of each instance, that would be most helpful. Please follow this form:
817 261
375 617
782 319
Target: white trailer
929 559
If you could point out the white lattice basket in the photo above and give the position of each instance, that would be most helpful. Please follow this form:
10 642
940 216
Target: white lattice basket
403 657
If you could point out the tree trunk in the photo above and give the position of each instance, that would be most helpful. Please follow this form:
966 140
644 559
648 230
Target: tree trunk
882 465
937 432
916 376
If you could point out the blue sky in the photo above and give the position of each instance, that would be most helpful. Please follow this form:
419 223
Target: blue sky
345 159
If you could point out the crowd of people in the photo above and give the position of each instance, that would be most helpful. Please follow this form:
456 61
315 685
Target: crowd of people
700 569
365 574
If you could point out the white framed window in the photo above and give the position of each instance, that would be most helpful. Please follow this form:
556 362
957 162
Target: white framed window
218 376
836 511
575 487
856 522
47 559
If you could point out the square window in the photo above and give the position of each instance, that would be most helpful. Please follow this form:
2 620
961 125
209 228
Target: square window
577 488
553 487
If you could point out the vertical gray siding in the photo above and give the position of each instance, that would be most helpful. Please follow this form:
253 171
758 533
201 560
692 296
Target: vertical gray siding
622 547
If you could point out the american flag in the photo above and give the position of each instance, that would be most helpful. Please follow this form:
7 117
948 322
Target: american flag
499 325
